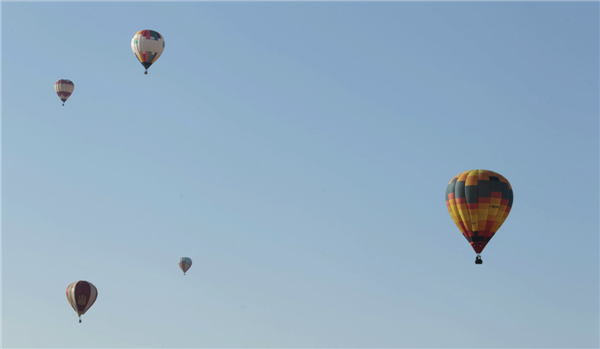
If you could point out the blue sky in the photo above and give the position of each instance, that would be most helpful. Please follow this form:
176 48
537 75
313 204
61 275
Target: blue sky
299 154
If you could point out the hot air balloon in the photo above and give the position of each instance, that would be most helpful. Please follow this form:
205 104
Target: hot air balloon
81 296
64 88
479 202
147 45
185 263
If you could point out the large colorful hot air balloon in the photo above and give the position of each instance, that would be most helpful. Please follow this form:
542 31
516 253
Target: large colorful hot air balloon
185 263
81 296
147 45
64 88
479 201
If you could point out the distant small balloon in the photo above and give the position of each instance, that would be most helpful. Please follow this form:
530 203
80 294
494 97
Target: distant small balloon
185 263
64 88
81 295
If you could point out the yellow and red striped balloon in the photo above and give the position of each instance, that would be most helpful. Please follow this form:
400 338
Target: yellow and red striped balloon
479 202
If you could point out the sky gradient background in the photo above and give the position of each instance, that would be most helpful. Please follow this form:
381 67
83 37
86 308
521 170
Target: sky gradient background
299 153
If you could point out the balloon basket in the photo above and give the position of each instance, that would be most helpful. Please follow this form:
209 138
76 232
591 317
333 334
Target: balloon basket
478 260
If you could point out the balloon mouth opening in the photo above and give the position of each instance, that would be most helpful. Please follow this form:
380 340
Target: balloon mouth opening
478 246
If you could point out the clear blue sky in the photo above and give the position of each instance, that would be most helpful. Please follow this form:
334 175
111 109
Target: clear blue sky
299 153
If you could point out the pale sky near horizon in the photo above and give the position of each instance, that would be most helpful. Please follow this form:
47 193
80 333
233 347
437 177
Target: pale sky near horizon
299 154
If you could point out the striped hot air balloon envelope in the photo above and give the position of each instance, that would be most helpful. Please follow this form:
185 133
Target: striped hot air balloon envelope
147 45
185 263
64 88
81 295
479 202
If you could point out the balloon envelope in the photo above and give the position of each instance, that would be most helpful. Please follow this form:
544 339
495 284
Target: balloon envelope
479 202
185 263
64 88
81 295
147 45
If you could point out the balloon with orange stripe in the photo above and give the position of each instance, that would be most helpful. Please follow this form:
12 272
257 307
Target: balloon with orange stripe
479 202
